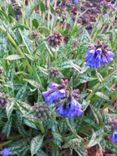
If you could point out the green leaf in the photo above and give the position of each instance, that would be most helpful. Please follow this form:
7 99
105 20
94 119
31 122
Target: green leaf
33 83
18 146
10 73
23 107
99 76
111 146
21 93
71 64
102 95
27 42
96 138
36 144
96 114
13 57
41 153
85 79
35 23
7 127
30 123
9 108
42 6
57 138
74 31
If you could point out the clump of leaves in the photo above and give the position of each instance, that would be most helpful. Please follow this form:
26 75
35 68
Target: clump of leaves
31 58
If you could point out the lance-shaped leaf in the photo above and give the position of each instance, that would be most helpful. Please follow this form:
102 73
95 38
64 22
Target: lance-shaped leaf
36 144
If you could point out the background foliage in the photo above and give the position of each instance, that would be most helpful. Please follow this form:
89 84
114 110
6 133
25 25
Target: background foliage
26 58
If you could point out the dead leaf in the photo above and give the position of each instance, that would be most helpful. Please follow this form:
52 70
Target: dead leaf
94 151
99 152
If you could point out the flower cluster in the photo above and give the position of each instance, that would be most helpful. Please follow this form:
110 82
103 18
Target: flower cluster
41 111
55 39
17 9
90 12
53 72
66 104
99 55
109 4
69 5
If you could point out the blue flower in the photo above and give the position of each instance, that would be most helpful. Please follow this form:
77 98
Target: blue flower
75 1
70 109
114 136
99 55
55 93
5 152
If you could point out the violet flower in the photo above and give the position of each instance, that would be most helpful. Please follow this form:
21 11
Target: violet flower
70 109
55 93
76 1
114 137
99 55
5 152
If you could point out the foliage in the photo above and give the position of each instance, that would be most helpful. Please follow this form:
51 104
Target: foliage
26 58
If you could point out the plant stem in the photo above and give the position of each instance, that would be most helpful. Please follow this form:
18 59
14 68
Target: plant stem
41 127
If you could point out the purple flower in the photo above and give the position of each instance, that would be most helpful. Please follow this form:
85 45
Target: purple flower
5 152
55 93
114 136
70 109
53 85
99 55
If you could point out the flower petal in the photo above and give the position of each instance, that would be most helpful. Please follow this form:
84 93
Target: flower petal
114 136
53 85
70 109
52 96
